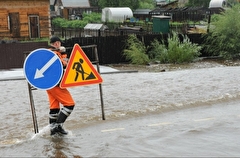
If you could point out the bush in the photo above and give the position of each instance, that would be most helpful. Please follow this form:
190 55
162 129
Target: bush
135 51
176 51
158 52
59 22
77 24
223 38
87 18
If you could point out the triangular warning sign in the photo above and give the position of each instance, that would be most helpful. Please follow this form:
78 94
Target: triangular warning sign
80 70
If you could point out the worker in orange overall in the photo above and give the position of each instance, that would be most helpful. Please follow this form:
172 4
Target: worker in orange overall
59 96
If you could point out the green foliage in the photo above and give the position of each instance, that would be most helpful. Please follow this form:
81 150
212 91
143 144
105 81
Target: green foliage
93 17
35 40
233 2
197 3
76 24
108 3
135 51
133 4
176 51
147 4
214 18
158 52
93 3
223 38
59 22
87 18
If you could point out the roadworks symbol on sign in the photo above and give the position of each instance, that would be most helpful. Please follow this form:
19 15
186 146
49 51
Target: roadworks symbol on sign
80 70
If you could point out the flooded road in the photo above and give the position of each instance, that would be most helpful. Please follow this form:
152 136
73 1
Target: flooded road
179 113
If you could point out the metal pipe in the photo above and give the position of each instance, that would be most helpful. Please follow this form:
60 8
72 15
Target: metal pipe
100 85
34 116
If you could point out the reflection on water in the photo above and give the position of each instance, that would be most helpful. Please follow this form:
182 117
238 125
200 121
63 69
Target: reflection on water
126 95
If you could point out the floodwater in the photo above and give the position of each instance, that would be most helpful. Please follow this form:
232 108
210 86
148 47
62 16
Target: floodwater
190 113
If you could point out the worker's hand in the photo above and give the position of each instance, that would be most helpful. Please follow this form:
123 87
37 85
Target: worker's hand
65 61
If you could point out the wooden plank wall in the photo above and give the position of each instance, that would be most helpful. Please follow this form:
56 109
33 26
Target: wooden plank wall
25 8
12 54
3 22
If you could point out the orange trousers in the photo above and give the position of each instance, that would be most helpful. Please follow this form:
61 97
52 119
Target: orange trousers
58 95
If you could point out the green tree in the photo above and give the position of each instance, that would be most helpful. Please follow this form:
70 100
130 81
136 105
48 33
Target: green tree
223 38
93 3
233 2
197 3
108 3
147 4
133 4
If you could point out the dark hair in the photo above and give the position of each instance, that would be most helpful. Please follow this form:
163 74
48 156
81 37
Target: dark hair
55 39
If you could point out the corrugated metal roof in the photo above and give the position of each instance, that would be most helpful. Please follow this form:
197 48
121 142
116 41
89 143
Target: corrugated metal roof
162 17
95 27
141 11
75 3
170 10
52 2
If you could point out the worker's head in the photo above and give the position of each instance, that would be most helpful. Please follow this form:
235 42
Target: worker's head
55 42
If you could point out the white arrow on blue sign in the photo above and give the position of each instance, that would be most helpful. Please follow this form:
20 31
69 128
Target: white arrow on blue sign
43 69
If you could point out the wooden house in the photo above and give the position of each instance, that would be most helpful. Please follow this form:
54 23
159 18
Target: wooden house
181 14
142 14
73 9
169 4
24 19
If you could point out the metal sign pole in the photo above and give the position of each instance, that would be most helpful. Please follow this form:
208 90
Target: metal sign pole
100 85
94 48
34 116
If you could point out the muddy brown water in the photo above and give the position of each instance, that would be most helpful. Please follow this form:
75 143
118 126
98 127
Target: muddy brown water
192 112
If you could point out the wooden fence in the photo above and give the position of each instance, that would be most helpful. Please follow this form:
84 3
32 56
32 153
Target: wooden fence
109 48
12 53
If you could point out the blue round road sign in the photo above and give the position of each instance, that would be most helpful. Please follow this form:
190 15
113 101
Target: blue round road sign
43 69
